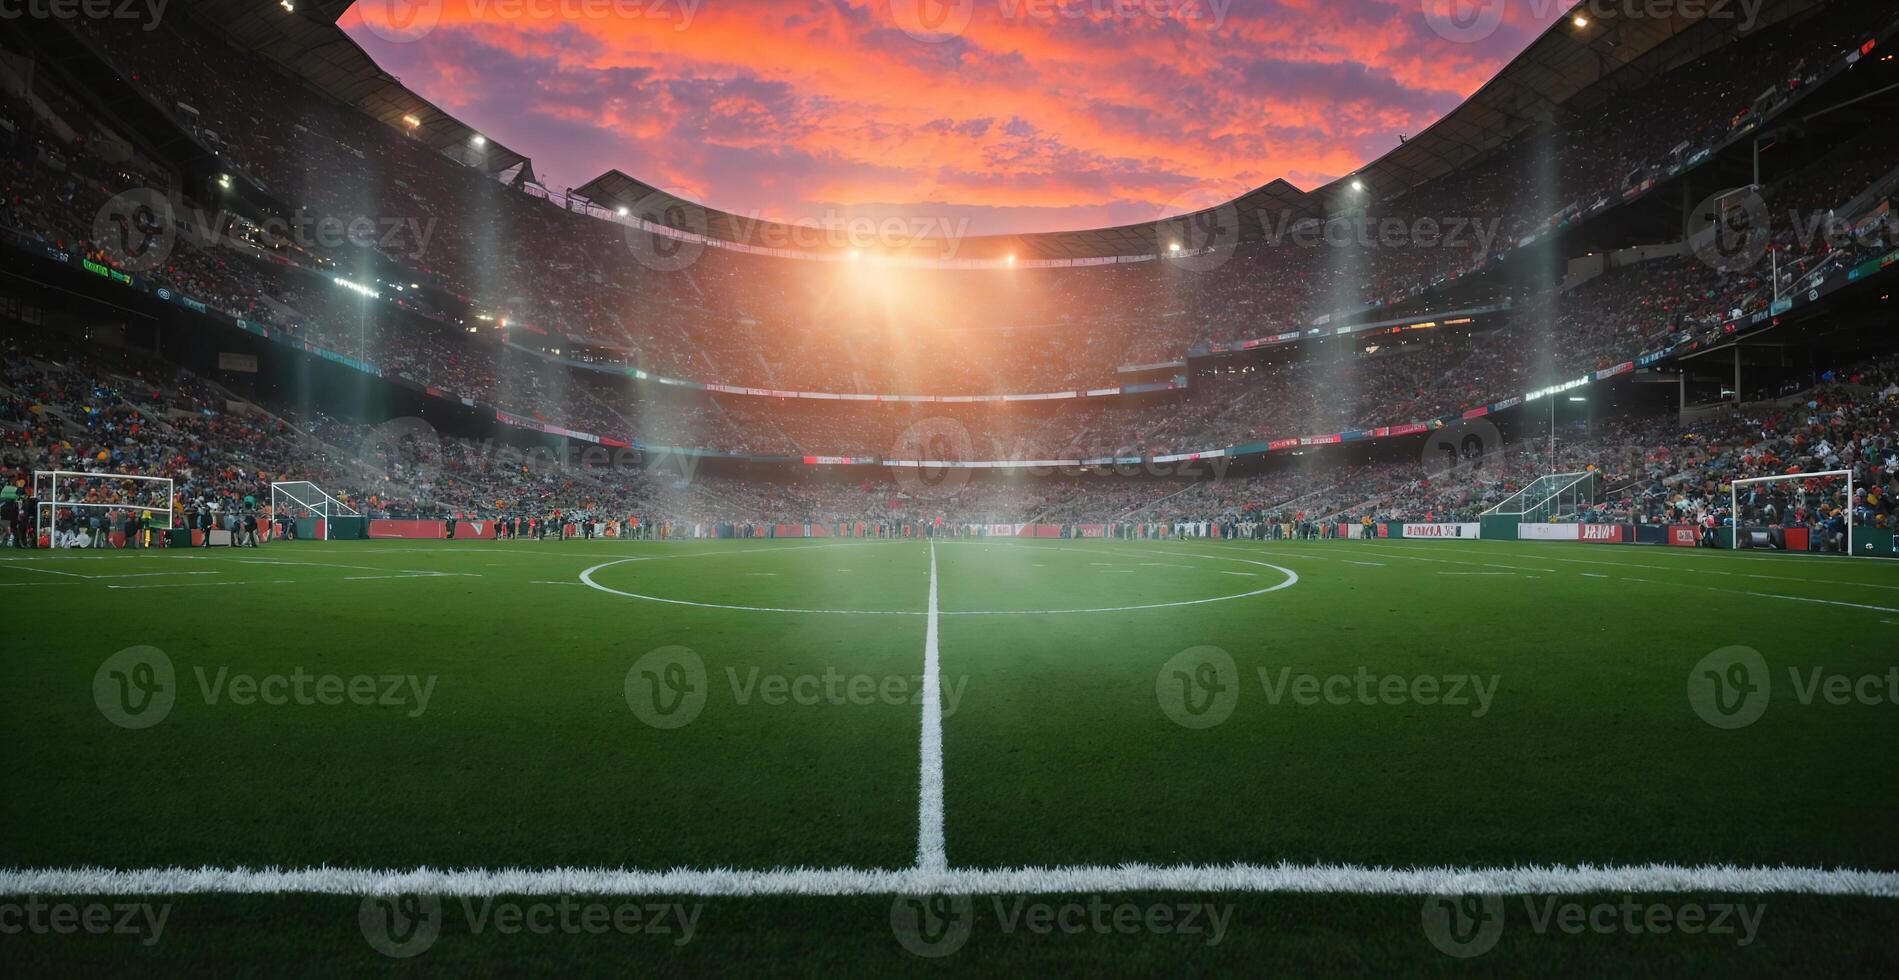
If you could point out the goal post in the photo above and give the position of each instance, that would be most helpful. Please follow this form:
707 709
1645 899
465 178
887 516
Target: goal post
69 499
301 499
1793 512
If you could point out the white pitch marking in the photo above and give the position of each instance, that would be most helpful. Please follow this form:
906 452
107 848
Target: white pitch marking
365 578
201 585
1506 574
1242 574
1326 879
50 571
931 855
1292 579
1452 561
1374 564
150 574
1692 557
1796 598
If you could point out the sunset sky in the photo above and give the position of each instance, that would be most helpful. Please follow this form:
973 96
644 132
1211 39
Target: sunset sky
997 115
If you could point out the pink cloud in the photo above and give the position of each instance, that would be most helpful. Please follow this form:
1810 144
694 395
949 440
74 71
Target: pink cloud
1038 115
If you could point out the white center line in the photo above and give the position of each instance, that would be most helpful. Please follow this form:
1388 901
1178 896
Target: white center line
931 855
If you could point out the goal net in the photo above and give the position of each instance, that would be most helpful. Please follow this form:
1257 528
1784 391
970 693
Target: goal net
1550 498
301 500
1810 512
84 509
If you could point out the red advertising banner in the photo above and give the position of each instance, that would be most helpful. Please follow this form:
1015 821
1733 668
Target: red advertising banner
386 528
1684 535
1604 533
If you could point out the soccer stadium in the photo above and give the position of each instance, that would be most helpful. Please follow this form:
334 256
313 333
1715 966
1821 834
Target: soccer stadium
932 487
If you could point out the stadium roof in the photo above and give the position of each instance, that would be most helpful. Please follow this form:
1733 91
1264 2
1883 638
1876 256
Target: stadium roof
1569 69
307 43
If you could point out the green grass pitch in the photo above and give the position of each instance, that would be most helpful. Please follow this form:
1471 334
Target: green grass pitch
758 705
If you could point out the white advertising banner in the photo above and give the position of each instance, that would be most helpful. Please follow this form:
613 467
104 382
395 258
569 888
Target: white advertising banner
1442 531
